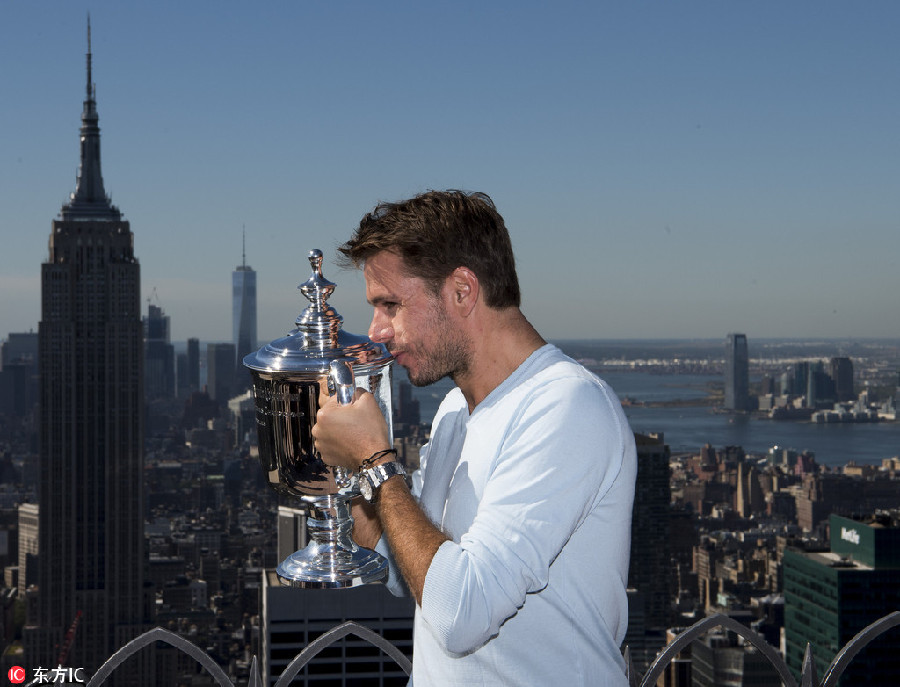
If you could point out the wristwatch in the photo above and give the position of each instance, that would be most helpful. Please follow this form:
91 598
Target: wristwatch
372 478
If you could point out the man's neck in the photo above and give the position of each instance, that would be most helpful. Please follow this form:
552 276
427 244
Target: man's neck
497 350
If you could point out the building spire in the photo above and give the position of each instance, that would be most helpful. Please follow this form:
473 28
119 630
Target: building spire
90 90
89 201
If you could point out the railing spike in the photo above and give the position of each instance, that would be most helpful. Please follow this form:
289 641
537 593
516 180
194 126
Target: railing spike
809 678
255 679
630 672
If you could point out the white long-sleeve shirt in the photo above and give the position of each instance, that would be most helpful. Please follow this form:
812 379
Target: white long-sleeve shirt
535 490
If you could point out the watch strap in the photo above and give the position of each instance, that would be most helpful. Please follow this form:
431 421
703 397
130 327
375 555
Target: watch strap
379 474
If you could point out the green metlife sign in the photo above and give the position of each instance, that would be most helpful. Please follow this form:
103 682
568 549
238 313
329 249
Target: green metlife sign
875 543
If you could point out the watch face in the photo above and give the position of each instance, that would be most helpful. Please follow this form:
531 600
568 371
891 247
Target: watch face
365 487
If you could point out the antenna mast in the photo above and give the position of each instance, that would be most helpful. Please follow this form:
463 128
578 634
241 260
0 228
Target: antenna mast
90 90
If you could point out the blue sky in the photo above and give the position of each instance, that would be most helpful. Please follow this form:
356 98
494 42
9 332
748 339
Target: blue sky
666 169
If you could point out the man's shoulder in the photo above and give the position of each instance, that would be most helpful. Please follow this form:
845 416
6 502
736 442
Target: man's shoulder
552 366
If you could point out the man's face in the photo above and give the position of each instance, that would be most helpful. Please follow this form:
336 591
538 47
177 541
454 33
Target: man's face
413 322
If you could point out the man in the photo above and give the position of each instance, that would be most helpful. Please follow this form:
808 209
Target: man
515 538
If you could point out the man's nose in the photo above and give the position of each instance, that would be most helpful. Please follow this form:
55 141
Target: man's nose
380 331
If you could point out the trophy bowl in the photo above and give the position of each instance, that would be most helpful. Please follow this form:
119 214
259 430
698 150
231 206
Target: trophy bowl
287 375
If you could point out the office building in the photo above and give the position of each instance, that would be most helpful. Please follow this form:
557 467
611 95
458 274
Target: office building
722 658
842 376
159 355
291 618
29 519
18 374
830 596
737 373
220 371
91 540
18 347
193 364
650 572
243 317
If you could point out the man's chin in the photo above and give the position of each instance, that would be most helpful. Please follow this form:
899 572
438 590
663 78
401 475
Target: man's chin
417 379
420 380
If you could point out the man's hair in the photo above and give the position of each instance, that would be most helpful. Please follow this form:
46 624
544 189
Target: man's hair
438 231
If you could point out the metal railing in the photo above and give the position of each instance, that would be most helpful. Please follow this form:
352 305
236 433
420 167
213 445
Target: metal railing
681 642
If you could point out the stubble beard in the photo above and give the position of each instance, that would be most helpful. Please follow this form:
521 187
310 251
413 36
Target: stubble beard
450 357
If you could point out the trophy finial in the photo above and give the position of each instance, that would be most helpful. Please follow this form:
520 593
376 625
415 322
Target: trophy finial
317 288
319 321
315 260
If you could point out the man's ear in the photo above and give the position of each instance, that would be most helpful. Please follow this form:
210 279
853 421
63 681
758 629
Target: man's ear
465 290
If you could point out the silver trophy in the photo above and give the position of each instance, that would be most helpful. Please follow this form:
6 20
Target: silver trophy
286 380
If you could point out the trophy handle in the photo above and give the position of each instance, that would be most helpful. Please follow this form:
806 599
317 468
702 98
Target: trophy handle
341 382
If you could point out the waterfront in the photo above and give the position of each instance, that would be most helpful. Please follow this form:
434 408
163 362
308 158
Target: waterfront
689 427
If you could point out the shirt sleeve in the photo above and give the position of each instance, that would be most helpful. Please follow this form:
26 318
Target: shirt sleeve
561 454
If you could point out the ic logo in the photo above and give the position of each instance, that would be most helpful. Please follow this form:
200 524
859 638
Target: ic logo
17 675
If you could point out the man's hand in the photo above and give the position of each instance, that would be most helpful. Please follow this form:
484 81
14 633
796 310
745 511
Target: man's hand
346 435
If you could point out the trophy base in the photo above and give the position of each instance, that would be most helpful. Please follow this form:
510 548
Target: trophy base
310 568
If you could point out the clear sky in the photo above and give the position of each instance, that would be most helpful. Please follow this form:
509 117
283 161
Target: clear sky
666 169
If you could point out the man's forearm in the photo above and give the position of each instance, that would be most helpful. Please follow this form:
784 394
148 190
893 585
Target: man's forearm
412 537
366 525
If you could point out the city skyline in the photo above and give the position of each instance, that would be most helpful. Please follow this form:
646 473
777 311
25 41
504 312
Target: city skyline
665 171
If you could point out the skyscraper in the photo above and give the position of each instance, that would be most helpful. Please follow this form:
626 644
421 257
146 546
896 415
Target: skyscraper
737 373
842 374
243 312
650 572
193 364
91 541
220 372
159 355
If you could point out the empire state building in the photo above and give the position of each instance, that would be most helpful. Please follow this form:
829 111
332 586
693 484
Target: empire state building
91 545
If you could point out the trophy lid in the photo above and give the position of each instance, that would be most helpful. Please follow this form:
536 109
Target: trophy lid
318 338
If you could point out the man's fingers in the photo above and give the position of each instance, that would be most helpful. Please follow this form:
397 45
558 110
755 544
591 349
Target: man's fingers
323 391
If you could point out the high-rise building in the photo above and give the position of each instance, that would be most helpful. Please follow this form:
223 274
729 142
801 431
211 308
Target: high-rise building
29 519
220 372
193 364
650 567
91 540
737 373
722 659
243 313
831 596
18 374
842 375
650 572
18 347
159 355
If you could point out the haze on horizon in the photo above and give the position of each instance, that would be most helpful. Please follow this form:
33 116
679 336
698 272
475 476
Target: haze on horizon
667 170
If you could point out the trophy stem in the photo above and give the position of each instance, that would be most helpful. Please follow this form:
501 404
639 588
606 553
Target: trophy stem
331 560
